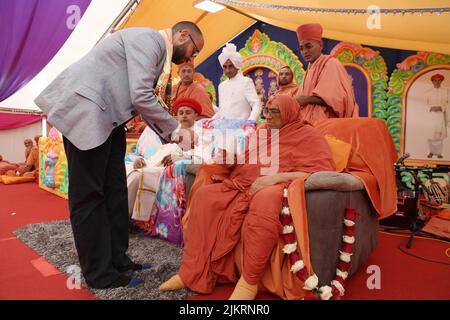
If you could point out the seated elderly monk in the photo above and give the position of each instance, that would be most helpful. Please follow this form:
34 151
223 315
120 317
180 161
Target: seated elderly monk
31 159
153 164
218 210
375 173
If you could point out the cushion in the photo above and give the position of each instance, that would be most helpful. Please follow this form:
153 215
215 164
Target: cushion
331 180
13 180
6 166
340 151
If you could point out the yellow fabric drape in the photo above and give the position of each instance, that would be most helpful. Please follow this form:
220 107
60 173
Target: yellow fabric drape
428 32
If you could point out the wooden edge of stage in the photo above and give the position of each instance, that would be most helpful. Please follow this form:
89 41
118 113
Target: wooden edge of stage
54 191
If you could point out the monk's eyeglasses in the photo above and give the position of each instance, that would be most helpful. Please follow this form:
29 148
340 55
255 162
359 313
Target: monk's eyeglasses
273 112
197 51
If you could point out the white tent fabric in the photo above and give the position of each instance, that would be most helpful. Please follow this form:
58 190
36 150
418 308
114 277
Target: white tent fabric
11 142
96 20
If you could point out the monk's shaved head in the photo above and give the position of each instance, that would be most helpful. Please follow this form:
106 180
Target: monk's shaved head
311 49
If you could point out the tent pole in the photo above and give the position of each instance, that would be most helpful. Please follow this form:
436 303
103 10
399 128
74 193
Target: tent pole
125 11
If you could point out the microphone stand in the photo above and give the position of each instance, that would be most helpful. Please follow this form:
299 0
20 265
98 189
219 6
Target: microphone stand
417 222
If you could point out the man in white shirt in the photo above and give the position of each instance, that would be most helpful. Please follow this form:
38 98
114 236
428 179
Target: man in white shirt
437 100
237 95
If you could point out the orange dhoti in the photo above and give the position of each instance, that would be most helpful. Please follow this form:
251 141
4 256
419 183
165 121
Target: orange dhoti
232 214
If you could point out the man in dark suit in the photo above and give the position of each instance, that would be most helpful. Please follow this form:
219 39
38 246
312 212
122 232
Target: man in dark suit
89 103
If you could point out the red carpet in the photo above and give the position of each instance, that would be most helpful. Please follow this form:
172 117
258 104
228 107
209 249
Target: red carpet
19 278
402 276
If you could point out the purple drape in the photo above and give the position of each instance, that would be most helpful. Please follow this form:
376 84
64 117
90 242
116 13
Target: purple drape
13 121
31 33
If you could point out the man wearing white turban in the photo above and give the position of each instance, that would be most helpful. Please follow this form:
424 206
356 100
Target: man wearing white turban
237 95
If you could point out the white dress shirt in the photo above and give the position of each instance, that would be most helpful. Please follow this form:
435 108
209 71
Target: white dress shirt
238 99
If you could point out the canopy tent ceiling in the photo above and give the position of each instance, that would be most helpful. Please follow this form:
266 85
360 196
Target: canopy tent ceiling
426 32
408 31
217 28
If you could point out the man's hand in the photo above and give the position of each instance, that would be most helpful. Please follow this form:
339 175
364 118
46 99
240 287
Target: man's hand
305 100
222 157
302 100
139 163
217 179
435 109
262 182
186 139
167 160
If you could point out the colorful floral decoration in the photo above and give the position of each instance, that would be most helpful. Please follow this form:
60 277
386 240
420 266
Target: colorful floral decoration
399 82
311 282
207 84
407 179
374 66
53 173
260 51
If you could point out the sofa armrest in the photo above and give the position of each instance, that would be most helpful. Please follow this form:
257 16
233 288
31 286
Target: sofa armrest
331 180
326 210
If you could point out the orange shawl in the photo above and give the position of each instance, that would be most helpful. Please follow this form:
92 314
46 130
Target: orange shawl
289 90
372 158
197 92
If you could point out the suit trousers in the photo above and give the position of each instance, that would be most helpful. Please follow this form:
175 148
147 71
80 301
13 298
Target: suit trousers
98 207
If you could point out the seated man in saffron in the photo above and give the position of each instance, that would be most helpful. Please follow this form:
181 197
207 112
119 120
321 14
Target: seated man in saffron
31 159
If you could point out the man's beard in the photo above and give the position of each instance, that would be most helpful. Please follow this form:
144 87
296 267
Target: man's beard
187 82
179 53
284 82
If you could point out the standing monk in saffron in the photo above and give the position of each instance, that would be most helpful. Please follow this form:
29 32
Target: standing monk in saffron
326 90
187 88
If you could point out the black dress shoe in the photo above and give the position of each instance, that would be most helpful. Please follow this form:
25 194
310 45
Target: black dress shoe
122 281
135 267
125 281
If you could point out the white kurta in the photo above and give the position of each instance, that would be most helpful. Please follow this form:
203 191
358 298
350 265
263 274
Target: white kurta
439 97
143 184
238 99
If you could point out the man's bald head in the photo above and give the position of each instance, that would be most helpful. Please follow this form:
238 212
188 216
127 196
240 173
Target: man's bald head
28 142
187 25
187 41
